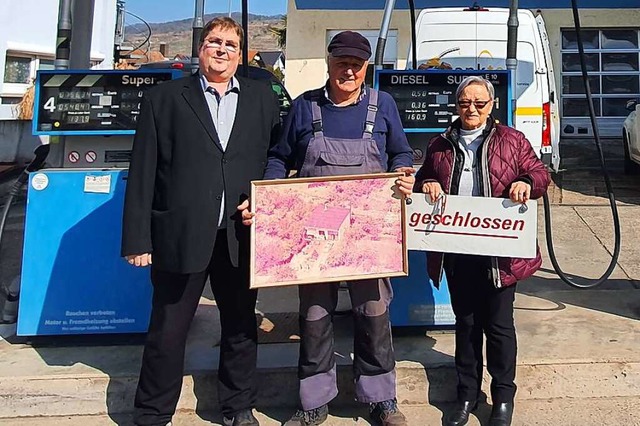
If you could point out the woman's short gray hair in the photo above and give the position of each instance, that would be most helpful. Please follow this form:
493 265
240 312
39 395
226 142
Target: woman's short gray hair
474 79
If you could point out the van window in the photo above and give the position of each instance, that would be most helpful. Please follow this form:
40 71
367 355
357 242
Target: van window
488 55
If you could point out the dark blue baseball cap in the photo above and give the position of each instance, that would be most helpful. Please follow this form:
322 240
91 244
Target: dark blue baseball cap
350 43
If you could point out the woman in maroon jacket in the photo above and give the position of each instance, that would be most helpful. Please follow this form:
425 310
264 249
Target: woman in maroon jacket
478 157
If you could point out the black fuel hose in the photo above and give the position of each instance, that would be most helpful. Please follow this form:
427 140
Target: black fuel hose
614 209
414 42
41 154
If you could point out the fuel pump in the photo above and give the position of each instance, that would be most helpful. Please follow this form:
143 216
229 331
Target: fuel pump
511 63
73 279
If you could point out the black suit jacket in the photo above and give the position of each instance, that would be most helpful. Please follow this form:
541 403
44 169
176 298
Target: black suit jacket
178 172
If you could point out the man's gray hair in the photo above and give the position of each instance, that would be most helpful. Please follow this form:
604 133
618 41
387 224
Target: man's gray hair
474 79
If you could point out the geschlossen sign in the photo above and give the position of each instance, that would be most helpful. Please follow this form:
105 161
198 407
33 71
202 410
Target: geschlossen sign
472 225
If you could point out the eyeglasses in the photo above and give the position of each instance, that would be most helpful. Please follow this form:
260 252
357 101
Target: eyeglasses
217 44
478 104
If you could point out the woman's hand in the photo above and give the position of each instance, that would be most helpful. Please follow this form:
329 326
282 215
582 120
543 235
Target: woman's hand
520 192
434 189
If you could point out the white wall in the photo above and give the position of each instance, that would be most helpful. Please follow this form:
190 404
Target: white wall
28 27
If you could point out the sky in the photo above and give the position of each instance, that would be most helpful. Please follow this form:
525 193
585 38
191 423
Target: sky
171 10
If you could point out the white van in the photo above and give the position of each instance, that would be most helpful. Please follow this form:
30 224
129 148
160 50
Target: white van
476 38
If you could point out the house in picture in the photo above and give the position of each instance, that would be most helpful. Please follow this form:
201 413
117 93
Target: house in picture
327 223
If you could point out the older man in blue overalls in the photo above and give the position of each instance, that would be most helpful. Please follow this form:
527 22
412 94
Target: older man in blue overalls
345 128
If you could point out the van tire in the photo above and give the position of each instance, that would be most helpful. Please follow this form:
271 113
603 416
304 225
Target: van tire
630 167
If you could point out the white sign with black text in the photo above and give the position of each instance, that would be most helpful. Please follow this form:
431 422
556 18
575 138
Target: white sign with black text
472 225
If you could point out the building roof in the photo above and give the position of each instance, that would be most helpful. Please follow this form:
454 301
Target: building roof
140 56
251 55
330 218
271 57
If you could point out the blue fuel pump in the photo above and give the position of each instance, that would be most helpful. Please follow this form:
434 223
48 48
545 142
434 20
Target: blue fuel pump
73 279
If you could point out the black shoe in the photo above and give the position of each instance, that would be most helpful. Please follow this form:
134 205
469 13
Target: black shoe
460 414
386 413
501 414
241 418
310 417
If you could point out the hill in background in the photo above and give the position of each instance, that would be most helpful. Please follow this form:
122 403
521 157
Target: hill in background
177 34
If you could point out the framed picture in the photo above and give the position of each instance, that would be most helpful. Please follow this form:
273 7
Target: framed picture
326 229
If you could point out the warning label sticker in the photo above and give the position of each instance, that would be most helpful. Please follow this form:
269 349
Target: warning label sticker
97 184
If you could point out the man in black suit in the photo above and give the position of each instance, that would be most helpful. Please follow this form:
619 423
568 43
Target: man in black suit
200 141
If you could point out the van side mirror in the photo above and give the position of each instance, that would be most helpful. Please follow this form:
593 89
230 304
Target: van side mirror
631 104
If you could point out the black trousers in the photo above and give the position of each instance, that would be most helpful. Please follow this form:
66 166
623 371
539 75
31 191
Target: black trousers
175 299
480 308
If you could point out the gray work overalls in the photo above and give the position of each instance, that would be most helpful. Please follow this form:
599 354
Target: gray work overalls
374 360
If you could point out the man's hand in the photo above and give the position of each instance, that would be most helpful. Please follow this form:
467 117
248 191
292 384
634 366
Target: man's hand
247 216
404 184
520 192
434 189
140 260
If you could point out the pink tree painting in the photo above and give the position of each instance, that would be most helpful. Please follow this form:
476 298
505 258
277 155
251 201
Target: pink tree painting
310 231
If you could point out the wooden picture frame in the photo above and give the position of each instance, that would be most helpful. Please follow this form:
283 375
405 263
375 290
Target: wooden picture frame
327 229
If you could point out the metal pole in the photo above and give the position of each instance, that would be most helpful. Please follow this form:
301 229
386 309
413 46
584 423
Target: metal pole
61 62
512 51
119 38
414 43
384 31
245 48
230 8
63 42
198 24
81 33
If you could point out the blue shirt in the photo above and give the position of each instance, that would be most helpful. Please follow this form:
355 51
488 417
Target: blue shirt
338 122
223 114
222 107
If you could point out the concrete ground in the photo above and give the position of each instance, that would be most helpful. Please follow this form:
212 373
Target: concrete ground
548 412
579 350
